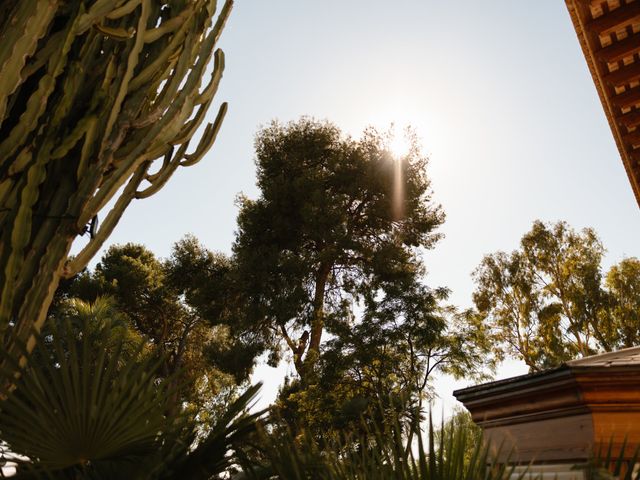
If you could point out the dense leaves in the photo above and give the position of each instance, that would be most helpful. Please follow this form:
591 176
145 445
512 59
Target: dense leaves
548 302
455 451
93 402
323 234
181 304
329 265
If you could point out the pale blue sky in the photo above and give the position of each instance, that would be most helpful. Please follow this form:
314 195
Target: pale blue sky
498 90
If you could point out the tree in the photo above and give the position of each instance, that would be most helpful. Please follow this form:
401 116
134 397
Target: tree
623 285
324 234
175 304
92 93
547 302
376 367
329 264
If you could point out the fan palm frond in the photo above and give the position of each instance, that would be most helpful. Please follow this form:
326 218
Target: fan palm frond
77 405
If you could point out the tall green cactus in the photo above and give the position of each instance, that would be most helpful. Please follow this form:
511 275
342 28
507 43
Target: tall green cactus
92 94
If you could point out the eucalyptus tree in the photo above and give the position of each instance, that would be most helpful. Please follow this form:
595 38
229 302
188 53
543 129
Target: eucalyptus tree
92 95
549 301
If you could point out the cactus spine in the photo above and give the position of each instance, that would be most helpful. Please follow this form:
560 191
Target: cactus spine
93 94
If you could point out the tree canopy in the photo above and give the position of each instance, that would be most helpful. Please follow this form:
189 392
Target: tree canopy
329 265
548 301
177 303
322 236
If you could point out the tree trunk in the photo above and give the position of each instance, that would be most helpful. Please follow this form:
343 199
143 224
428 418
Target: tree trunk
317 321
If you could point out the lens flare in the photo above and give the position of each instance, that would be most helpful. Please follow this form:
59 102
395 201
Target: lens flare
398 189
399 147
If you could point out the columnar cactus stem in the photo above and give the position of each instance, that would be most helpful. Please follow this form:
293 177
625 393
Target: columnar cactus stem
92 94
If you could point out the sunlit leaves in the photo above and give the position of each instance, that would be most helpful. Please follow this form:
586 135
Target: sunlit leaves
548 302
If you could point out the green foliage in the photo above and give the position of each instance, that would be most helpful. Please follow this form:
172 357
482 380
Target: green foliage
92 403
455 451
612 462
323 234
460 421
92 94
176 303
329 264
623 285
547 302
371 363
77 404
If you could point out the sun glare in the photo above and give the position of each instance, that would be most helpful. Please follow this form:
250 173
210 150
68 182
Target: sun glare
399 145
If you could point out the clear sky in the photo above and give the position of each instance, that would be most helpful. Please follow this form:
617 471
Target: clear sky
498 91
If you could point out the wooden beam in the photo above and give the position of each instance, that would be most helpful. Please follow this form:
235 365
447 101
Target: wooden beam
621 49
617 19
632 138
623 75
627 99
634 156
630 119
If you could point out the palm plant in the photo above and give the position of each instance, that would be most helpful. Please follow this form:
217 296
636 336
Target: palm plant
452 452
608 465
89 405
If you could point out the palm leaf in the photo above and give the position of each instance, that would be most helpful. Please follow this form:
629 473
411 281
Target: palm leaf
77 405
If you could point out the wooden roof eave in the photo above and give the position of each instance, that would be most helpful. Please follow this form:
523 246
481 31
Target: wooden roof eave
587 41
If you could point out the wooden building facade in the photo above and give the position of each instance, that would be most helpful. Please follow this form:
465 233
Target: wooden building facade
555 419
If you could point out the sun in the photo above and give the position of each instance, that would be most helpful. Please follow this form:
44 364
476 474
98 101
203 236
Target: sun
399 145
399 138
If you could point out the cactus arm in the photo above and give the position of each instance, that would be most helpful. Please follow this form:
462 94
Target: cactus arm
221 20
174 47
42 56
108 224
211 89
37 103
147 73
99 9
28 25
160 178
132 61
168 93
21 232
76 134
115 33
106 192
125 9
7 184
166 160
20 163
174 108
169 26
6 188
89 141
208 138
182 159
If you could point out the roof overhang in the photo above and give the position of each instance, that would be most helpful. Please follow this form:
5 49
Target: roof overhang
609 34
560 415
